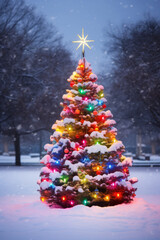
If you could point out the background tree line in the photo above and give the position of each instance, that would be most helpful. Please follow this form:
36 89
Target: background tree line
34 65
135 76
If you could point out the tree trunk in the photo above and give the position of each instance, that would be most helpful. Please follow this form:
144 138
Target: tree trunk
138 144
153 147
5 144
17 149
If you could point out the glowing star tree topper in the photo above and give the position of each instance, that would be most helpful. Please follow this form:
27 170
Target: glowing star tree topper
83 41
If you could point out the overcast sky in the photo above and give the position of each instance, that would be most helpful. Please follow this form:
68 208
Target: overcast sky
69 16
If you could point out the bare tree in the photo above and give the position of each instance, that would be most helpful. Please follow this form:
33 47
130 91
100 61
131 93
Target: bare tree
135 76
28 46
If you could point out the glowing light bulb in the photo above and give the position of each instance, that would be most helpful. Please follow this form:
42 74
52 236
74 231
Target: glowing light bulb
102 95
42 199
71 202
81 91
118 195
85 201
100 102
107 198
84 180
51 185
95 195
69 128
90 107
110 166
98 168
63 198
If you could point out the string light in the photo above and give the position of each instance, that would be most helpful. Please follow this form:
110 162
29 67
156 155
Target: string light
85 201
95 195
118 195
63 198
100 102
71 202
81 91
64 179
69 128
90 107
84 180
107 198
42 199
51 185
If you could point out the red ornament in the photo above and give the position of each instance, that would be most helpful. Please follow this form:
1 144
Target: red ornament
104 106
66 150
79 79
77 136
95 112
82 120
77 111
71 83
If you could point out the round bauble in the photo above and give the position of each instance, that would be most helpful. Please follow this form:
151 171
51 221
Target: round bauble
66 150
95 112
77 111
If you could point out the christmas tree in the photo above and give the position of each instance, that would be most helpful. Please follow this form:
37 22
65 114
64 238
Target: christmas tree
84 162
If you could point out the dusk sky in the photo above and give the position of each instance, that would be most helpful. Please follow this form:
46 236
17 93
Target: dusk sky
69 16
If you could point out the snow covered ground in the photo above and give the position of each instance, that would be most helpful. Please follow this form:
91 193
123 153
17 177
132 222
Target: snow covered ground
27 159
23 216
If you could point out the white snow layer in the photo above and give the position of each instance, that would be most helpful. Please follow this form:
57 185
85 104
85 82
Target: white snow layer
45 170
48 147
44 185
110 122
115 146
45 159
68 120
93 76
96 148
96 134
73 167
76 178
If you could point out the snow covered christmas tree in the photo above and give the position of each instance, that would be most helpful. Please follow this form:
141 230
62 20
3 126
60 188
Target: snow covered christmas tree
84 162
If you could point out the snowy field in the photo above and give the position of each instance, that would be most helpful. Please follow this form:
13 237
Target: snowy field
27 159
23 216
